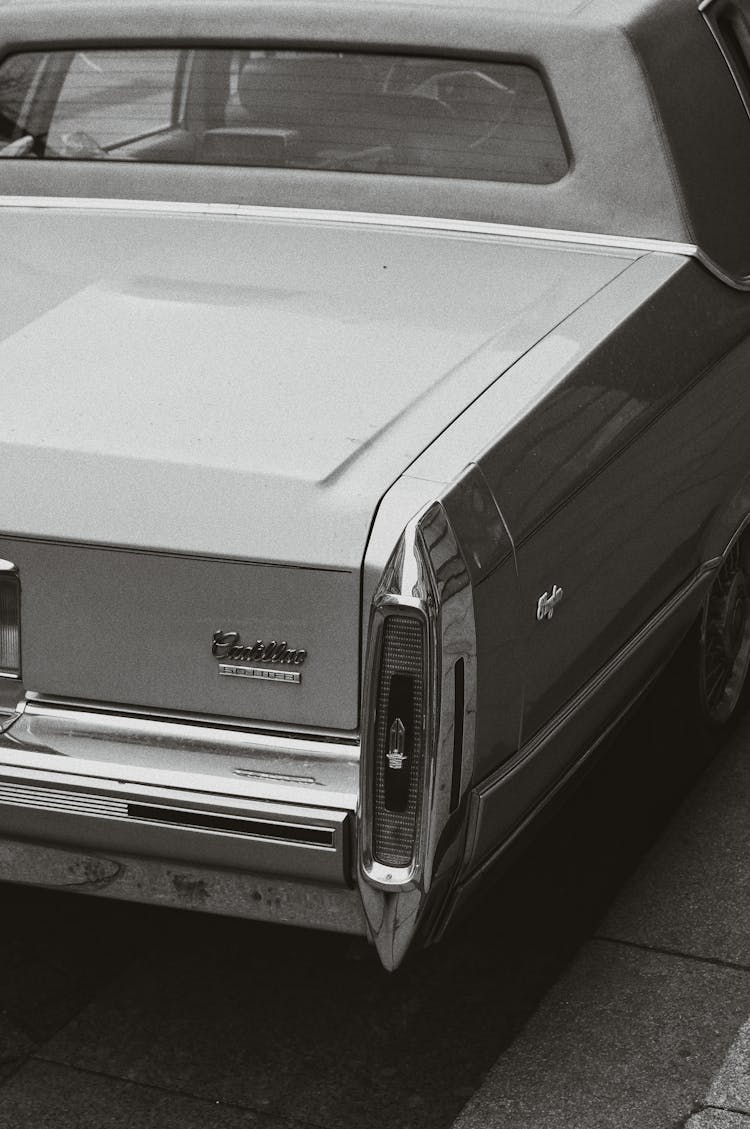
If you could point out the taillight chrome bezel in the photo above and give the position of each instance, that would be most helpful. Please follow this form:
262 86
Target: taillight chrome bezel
10 599
11 686
426 578
422 610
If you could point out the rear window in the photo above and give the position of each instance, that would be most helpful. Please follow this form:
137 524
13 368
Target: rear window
365 113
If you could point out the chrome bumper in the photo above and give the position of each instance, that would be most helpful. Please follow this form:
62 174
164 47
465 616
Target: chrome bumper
180 813
153 881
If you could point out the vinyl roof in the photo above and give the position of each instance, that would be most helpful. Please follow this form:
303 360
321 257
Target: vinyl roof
614 12
658 137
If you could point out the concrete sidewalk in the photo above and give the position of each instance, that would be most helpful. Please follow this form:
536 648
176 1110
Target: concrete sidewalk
634 1032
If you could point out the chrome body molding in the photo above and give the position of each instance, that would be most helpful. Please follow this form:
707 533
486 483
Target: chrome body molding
426 577
707 8
737 282
368 219
187 756
686 601
282 736
15 793
9 713
601 240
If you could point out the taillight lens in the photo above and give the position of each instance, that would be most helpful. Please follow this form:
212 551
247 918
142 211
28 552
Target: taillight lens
418 710
10 621
399 744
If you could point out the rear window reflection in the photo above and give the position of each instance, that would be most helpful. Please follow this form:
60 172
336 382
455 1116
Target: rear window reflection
283 109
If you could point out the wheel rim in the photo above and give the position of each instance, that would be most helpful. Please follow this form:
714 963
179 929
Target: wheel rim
725 640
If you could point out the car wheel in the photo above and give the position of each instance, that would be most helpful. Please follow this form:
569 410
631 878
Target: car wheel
724 642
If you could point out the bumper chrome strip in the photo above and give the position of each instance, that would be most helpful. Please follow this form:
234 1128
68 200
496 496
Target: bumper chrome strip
82 803
179 755
56 799
170 791
279 736
243 835
233 825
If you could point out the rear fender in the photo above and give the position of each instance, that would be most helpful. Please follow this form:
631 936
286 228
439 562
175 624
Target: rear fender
729 522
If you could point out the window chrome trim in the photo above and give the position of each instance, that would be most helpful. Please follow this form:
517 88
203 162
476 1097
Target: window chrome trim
368 219
707 9
599 240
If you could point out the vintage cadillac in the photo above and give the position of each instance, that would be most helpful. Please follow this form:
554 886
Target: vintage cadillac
376 425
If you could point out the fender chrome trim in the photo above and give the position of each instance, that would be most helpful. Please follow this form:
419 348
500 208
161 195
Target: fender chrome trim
476 859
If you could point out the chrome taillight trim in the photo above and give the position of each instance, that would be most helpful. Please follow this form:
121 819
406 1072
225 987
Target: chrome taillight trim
11 690
389 877
9 577
406 589
426 577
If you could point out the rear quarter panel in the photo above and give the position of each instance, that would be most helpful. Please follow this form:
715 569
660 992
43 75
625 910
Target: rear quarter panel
617 452
609 484
618 485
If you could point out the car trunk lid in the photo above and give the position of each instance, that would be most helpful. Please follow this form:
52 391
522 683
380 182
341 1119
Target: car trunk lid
202 413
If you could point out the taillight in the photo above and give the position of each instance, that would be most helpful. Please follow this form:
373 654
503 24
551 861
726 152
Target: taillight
398 749
10 621
418 710
400 710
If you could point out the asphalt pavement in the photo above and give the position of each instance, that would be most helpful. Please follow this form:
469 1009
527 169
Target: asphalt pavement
604 982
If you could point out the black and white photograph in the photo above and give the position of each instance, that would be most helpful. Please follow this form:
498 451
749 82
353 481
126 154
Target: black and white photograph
374 564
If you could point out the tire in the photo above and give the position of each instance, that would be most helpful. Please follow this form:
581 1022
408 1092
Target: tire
724 640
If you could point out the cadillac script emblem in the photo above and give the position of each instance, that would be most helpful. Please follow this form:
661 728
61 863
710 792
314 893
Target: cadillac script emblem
547 603
268 662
